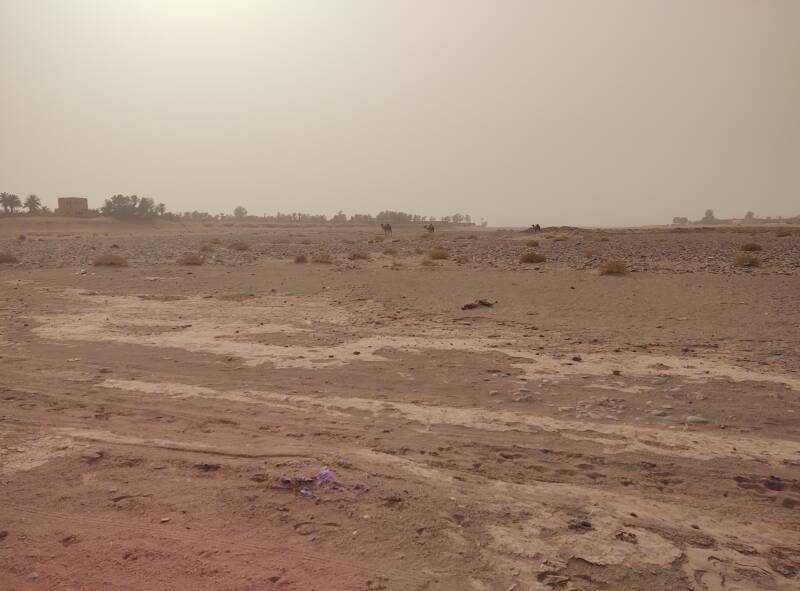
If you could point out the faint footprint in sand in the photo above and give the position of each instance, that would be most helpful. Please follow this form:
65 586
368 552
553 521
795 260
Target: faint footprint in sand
307 528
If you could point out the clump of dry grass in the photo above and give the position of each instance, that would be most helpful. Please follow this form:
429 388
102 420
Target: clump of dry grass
588 253
419 251
751 247
560 238
427 236
390 251
462 259
110 260
206 248
472 237
22 238
532 257
747 260
359 256
604 239
7 257
191 259
300 258
532 243
216 241
613 267
426 262
438 254
348 241
306 241
783 233
239 245
322 257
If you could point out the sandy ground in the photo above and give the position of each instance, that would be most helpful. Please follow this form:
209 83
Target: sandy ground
169 427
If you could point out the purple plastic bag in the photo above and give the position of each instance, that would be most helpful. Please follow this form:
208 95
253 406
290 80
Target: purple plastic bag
323 475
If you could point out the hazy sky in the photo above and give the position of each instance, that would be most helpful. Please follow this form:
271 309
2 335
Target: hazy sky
590 112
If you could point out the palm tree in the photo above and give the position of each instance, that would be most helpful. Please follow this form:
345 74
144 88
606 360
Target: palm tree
4 201
14 202
33 204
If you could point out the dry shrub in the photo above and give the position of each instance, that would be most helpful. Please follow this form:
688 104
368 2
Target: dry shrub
604 239
419 251
359 256
588 253
463 259
22 238
438 254
472 237
301 258
747 260
239 245
191 259
532 257
7 257
751 247
206 248
390 251
216 241
306 241
426 262
427 236
560 238
532 243
783 233
322 257
348 241
110 260
613 268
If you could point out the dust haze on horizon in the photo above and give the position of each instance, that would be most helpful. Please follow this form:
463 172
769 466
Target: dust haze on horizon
620 112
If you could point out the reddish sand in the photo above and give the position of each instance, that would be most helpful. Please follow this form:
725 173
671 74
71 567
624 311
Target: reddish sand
162 425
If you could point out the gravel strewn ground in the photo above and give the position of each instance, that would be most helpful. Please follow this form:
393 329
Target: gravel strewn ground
662 250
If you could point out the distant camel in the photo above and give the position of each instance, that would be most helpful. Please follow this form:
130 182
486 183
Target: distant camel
387 229
429 228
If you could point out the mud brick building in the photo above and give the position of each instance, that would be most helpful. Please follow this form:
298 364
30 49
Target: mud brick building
73 206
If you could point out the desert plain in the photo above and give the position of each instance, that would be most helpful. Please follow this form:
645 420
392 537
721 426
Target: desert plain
256 422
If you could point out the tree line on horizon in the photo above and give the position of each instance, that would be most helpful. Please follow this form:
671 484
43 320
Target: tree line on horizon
386 216
133 207
709 219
